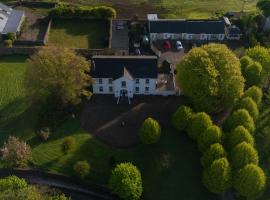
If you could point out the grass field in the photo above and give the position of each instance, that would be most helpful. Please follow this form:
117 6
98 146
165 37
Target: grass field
90 34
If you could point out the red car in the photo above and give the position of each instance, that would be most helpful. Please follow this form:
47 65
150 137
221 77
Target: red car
167 45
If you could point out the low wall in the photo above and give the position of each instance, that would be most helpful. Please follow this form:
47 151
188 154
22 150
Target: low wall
28 51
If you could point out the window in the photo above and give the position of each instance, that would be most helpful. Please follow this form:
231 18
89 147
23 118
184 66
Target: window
137 81
123 83
147 81
136 89
110 81
110 89
101 89
100 80
146 89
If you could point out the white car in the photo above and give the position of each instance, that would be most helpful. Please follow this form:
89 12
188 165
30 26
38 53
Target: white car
179 46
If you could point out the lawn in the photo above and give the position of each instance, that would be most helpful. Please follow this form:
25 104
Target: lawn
77 33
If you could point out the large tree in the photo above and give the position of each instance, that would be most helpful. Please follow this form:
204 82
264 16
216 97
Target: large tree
211 77
59 73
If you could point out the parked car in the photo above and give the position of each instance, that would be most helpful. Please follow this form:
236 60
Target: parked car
179 46
167 45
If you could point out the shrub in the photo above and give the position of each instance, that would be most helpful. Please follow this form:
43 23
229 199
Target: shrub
250 182
199 123
245 61
126 182
253 74
215 152
255 93
182 118
211 135
12 183
238 118
68 144
248 104
8 43
11 36
82 168
44 133
217 178
243 154
150 131
238 135
15 153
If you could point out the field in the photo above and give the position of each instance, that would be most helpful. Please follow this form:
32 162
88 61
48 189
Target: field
89 34
170 169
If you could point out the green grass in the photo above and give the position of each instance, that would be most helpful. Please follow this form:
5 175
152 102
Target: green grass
77 33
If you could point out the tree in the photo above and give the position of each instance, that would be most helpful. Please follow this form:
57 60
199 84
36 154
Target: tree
150 131
254 74
68 144
210 76
245 62
15 153
250 182
238 135
255 93
82 168
264 6
240 117
58 73
182 118
217 178
215 152
243 154
211 135
126 181
248 104
199 123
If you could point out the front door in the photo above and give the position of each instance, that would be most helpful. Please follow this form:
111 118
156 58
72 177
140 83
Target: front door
123 93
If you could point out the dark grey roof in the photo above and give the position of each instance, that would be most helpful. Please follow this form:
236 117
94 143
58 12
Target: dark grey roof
187 26
14 21
118 66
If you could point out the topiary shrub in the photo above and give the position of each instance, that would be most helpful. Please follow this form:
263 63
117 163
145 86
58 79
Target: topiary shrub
8 43
248 104
254 74
81 168
250 182
240 117
243 154
199 123
211 135
214 152
182 118
150 131
255 93
245 61
126 182
218 177
238 135
68 144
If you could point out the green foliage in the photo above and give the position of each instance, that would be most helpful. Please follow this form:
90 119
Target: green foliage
255 93
211 135
12 183
250 182
8 43
217 178
243 154
199 123
238 118
260 54
264 6
76 11
182 118
126 182
150 131
215 152
245 62
82 168
210 76
68 144
61 74
248 104
254 74
11 36
238 135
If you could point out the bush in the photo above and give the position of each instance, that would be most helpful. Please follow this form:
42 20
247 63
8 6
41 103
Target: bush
250 182
126 182
82 168
12 183
8 43
150 131
238 135
182 118
248 104
199 123
238 118
245 62
215 152
211 135
218 178
68 144
254 74
44 133
11 36
255 93
243 154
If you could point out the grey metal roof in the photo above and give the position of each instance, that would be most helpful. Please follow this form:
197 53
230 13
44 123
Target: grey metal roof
14 21
187 26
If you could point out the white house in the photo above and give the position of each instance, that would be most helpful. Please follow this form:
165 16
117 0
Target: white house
10 20
126 76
